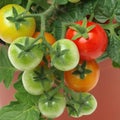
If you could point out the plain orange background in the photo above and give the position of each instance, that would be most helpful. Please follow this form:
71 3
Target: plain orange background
107 93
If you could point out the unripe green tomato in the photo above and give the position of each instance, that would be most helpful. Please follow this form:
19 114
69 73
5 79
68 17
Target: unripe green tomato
69 59
29 60
52 108
86 104
73 1
34 84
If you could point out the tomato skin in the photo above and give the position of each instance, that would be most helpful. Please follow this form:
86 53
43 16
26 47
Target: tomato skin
70 59
8 31
52 108
82 106
92 47
48 36
25 62
37 87
77 84
73 1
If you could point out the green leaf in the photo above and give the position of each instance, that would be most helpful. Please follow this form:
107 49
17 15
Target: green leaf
19 111
117 12
6 69
105 9
5 2
42 3
114 48
116 65
70 14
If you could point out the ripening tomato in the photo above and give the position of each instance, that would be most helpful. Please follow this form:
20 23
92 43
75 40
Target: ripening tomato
73 78
91 39
48 36
9 31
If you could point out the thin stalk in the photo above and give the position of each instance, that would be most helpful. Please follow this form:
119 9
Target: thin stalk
29 3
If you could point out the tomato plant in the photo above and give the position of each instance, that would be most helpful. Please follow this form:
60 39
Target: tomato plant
91 39
24 53
64 55
56 45
15 26
84 77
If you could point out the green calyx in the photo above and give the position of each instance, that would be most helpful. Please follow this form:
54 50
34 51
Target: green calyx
26 48
16 18
82 70
58 53
82 31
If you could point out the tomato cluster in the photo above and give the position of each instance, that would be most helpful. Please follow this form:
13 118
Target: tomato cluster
68 63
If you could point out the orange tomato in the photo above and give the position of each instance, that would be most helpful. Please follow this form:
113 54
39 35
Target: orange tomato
76 83
48 36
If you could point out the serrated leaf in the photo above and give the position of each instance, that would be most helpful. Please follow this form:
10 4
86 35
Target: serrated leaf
5 2
116 65
71 14
117 12
114 48
19 111
105 9
6 69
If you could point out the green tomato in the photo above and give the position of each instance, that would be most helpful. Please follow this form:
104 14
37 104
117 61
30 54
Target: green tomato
65 55
84 104
38 80
54 107
22 56
73 1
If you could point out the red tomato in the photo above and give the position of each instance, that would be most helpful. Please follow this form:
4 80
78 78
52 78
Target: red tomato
93 46
76 83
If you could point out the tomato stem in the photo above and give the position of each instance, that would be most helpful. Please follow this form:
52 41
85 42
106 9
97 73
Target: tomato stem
29 3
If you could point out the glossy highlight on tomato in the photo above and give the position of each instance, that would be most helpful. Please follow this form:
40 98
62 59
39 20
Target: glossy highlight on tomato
93 46
90 80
